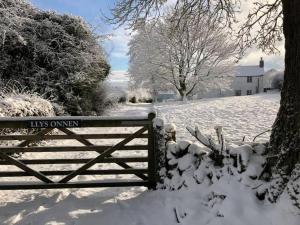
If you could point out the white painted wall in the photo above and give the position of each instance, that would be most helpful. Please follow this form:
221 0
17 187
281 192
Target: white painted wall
215 93
240 83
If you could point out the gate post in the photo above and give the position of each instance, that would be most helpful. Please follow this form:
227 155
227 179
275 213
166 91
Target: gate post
151 153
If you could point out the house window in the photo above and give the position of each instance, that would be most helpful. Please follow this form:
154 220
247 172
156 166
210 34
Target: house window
249 92
238 92
249 79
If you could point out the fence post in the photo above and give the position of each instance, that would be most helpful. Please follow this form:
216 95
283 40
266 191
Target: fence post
160 150
151 153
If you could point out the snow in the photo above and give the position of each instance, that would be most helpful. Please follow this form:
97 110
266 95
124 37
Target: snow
170 127
197 149
173 147
184 144
185 162
239 115
23 104
196 204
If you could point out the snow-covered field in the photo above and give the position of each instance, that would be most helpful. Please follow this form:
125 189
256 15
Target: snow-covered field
240 116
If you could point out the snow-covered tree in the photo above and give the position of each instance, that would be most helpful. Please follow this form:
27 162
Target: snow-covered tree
180 55
55 55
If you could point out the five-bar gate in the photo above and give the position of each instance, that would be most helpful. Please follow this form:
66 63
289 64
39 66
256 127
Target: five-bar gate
60 129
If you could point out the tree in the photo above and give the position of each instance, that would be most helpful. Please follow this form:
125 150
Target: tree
55 55
180 54
142 73
273 18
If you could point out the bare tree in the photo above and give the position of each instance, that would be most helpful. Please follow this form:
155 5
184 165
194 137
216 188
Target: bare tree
263 27
181 54
135 12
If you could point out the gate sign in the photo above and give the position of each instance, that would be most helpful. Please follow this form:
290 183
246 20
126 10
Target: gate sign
53 123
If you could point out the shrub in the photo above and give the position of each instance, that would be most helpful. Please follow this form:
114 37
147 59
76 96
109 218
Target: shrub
21 105
139 95
122 99
15 101
55 55
132 99
100 100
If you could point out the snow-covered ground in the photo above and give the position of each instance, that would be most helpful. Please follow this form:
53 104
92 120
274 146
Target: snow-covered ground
240 116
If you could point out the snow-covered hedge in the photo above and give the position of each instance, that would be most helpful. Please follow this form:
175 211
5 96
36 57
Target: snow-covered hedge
17 101
58 56
222 173
17 104
21 105
190 163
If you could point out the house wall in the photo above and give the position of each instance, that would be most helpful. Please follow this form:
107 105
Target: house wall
256 86
214 93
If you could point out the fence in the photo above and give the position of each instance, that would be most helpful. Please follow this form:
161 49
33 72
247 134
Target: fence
44 130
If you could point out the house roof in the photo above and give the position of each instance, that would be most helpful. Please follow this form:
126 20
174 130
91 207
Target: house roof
249 71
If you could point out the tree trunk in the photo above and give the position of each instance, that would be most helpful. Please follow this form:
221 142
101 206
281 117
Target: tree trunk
183 96
285 137
182 90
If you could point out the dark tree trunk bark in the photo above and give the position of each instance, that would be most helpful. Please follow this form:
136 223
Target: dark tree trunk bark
285 137
182 86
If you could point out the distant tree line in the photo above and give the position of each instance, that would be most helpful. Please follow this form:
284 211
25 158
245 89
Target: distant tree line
57 56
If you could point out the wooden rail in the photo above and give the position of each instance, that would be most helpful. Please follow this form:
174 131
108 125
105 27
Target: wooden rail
32 156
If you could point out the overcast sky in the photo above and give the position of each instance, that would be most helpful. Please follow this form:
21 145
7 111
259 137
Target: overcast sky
91 11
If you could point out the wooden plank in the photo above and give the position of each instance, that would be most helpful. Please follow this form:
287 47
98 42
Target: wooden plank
85 121
125 166
106 153
80 139
64 137
22 166
88 143
39 134
30 186
78 161
66 172
96 148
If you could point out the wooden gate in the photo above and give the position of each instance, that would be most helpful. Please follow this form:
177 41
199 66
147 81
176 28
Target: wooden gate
58 129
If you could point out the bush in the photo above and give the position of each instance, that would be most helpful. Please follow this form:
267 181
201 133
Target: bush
122 99
132 99
100 100
139 95
15 101
57 56
21 105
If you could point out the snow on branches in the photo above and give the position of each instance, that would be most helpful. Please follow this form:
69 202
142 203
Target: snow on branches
197 52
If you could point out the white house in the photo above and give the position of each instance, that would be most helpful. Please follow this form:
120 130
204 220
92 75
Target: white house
249 79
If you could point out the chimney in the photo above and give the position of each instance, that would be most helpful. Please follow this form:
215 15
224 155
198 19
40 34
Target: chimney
261 63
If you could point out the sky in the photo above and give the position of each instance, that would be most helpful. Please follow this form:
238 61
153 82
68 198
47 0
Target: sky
116 47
